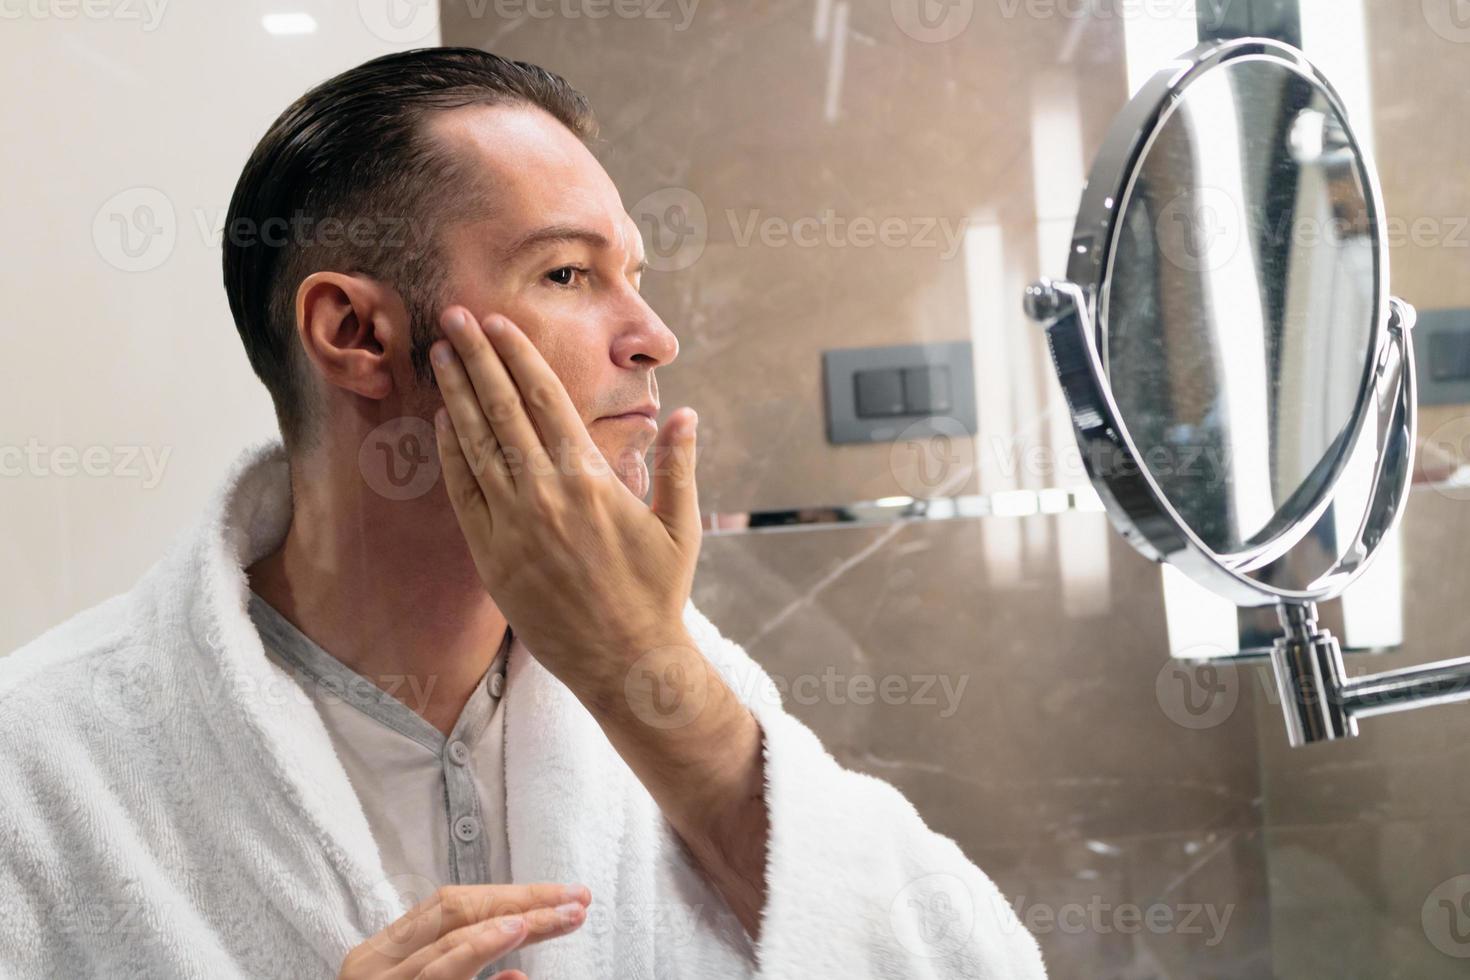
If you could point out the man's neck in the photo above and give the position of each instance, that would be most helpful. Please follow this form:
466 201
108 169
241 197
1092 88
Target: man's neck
390 590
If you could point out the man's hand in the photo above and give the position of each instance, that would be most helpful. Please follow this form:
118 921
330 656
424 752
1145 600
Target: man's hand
456 932
595 583
589 576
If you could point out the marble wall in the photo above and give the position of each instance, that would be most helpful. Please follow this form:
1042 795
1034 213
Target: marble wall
1033 715
1368 842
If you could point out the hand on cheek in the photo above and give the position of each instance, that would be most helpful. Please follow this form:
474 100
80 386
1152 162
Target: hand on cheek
588 576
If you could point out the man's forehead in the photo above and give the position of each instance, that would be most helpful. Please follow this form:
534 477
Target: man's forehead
507 138
534 173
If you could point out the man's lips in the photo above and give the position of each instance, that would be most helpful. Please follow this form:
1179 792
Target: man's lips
644 415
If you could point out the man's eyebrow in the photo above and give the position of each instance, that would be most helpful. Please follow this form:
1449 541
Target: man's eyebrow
552 234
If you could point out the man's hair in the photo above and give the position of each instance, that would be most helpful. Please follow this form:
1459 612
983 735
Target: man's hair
348 179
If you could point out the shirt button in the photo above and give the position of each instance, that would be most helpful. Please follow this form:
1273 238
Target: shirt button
497 684
467 829
459 753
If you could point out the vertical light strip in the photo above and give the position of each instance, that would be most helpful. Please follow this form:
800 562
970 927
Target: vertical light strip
1155 34
1057 177
985 300
821 19
1199 622
1373 606
1231 291
836 61
1335 37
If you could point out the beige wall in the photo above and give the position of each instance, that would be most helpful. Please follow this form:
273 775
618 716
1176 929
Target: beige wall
126 388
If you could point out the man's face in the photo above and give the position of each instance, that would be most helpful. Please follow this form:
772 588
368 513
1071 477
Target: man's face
560 257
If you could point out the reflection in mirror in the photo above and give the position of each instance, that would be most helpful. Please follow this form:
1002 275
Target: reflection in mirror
1239 308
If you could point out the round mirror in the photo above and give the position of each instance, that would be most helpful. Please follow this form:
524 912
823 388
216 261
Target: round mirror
1234 362
1239 305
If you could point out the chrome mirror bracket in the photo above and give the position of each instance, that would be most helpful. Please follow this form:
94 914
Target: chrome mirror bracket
1321 704
1310 678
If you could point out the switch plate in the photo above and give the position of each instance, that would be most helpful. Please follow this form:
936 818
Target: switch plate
1441 349
922 389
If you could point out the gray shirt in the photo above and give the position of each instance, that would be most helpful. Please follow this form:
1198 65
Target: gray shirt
435 805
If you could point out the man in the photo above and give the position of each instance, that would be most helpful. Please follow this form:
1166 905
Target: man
410 710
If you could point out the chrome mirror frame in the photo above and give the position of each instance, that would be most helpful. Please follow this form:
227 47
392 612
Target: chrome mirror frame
1319 701
1073 313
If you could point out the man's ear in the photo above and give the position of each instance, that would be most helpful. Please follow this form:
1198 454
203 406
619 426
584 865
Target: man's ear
347 324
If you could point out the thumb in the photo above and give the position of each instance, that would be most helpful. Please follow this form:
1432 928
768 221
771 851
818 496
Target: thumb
675 497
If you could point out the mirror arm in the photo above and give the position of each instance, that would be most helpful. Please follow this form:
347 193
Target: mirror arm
1321 703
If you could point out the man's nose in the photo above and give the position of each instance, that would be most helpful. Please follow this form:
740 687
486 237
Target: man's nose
643 340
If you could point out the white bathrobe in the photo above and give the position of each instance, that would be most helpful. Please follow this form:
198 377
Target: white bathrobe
171 810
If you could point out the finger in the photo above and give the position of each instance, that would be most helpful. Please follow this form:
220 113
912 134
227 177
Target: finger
466 951
546 399
675 496
479 445
496 393
465 493
510 975
456 906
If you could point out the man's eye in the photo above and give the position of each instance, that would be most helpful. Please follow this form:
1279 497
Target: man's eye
566 275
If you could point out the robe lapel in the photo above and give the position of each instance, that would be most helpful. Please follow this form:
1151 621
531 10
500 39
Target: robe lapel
294 769
566 797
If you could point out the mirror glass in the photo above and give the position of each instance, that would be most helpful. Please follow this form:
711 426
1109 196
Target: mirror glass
1238 308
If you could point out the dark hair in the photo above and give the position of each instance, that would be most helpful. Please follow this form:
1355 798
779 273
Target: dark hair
349 161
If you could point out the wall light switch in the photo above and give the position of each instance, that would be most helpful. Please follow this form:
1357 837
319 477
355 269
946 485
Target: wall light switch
881 394
926 390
